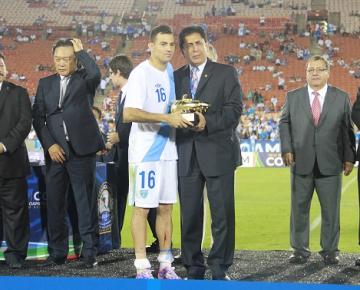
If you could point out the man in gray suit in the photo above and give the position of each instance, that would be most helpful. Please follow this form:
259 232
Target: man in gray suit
318 142
355 115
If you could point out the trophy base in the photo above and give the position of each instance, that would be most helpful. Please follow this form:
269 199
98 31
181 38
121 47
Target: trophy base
191 117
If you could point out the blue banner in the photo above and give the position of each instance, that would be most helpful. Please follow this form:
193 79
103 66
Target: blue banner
37 215
262 146
47 283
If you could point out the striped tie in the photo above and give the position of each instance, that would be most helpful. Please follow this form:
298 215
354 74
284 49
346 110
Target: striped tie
194 80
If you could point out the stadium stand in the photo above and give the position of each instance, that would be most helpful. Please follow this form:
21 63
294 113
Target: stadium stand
260 73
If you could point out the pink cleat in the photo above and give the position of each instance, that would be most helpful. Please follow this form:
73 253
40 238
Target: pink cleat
144 274
168 273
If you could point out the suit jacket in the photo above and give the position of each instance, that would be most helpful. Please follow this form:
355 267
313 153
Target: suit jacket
123 129
82 129
15 125
355 115
217 147
331 143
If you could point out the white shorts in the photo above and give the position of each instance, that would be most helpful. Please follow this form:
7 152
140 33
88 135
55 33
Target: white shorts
152 183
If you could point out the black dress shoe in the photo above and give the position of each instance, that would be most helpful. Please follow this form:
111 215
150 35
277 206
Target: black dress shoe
331 259
89 262
16 265
14 262
225 278
154 247
297 258
54 261
357 262
195 277
177 259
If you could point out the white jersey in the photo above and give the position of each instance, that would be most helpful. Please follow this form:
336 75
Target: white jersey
153 91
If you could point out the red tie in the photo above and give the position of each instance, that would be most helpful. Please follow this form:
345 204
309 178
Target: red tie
316 108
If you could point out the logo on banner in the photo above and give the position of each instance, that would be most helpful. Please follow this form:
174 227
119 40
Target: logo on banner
34 199
271 159
104 207
274 161
262 146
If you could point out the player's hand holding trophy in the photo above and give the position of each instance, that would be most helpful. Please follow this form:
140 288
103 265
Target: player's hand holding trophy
188 108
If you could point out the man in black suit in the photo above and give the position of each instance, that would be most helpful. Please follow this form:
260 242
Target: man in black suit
70 136
208 153
15 125
119 68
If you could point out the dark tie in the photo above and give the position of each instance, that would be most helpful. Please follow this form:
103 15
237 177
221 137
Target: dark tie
63 84
118 104
316 108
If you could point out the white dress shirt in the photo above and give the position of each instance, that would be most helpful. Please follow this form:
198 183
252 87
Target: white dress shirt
61 99
200 69
322 94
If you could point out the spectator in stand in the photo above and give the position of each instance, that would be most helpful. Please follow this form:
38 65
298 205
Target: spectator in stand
274 102
281 83
103 84
262 20
212 54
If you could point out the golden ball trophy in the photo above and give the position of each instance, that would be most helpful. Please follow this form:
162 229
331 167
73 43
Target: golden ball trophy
188 108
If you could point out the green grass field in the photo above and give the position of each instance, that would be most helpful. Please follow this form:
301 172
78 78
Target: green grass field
262 201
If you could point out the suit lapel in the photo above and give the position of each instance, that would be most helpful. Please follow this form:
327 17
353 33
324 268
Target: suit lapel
329 99
4 89
205 76
55 90
67 91
185 83
118 117
305 102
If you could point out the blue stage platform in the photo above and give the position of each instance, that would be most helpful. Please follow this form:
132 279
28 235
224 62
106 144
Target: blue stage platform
47 283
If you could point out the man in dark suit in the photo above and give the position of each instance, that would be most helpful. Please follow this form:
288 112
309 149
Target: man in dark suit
355 115
208 153
15 125
318 142
118 142
70 136
119 68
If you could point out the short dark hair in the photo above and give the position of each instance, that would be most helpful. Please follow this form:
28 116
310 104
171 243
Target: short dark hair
62 43
122 64
164 29
2 56
317 58
190 30
97 110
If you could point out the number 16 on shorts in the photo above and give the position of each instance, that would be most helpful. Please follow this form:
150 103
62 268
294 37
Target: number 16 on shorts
151 183
143 184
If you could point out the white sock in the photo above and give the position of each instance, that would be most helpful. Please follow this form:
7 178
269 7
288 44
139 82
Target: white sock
142 264
165 258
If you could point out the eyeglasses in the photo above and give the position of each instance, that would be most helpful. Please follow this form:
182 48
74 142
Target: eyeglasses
317 70
65 59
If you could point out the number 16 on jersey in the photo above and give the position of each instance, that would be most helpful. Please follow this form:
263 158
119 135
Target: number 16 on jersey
161 95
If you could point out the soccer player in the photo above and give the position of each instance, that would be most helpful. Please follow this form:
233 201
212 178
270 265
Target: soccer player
152 150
